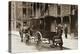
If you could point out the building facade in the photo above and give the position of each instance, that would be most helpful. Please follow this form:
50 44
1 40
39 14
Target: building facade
21 12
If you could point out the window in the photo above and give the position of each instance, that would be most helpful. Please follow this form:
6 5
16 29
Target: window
24 11
58 10
66 19
24 3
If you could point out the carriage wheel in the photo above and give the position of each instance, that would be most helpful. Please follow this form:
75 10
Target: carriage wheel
38 37
27 38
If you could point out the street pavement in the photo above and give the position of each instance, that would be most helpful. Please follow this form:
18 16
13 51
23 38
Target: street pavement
18 46
71 42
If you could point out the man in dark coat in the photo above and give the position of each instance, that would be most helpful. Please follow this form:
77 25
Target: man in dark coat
66 30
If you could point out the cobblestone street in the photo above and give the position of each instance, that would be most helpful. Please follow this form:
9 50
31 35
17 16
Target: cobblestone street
18 46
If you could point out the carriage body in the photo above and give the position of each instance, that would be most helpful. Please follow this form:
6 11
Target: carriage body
43 25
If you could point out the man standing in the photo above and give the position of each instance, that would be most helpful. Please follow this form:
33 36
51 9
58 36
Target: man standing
66 30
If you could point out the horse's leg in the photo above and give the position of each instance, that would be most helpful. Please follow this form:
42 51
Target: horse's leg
49 40
21 37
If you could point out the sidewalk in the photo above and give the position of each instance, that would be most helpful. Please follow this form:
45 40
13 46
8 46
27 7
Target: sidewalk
15 33
70 42
18 46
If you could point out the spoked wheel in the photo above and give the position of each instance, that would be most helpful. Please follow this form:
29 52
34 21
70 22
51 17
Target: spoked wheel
27 38
38 37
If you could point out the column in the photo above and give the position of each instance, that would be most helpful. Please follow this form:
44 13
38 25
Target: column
61 19
13 15
61 14
70 23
